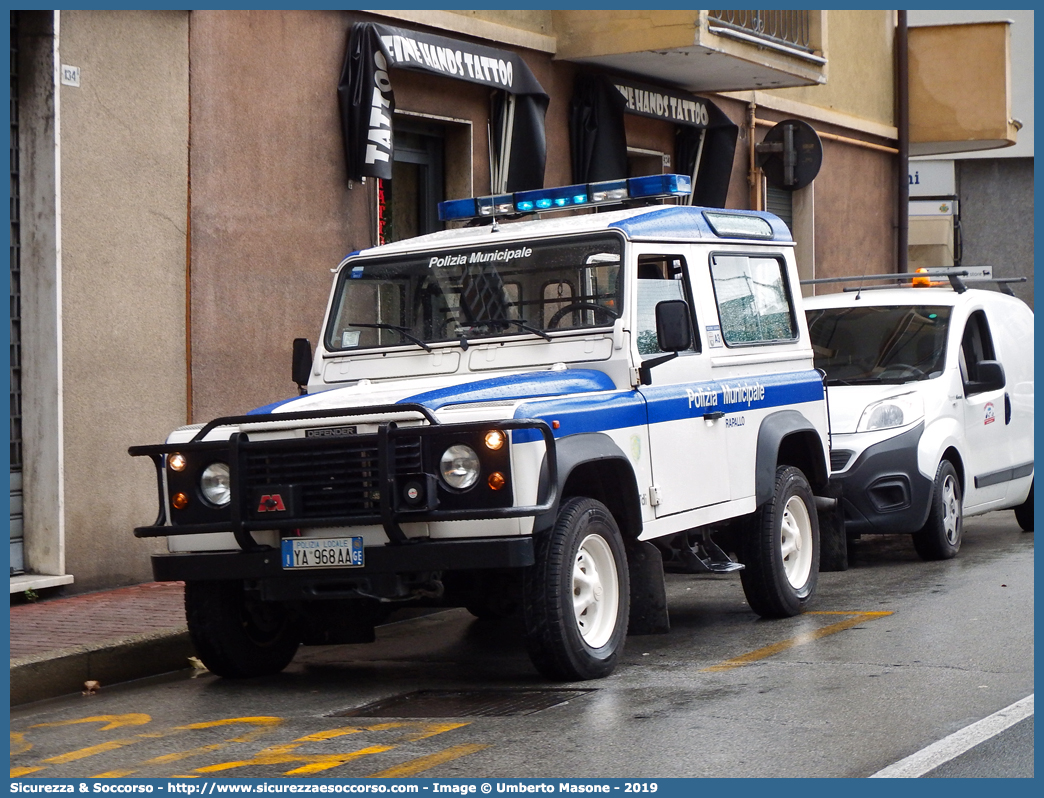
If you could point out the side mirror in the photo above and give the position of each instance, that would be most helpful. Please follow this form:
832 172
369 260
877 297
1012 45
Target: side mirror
302 364
673 334
990 377
673 329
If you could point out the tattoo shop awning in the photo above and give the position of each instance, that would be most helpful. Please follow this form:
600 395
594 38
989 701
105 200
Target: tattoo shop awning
367 102
705 143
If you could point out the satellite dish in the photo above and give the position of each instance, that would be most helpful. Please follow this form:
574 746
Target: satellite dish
790 155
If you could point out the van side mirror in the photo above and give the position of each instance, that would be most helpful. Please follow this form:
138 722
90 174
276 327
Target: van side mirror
302 363
673 330
989 377
673 334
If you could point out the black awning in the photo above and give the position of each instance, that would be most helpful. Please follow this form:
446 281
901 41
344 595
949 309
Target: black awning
705 143
367 101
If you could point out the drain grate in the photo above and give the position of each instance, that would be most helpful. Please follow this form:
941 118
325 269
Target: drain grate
463 704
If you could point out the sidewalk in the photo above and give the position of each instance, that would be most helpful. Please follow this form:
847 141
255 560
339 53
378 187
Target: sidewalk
110 636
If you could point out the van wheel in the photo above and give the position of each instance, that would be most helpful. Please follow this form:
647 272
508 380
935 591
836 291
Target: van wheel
782 549
940 537
236 636
577 594
1024 512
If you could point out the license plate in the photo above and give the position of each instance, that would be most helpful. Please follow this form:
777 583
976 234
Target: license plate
322 552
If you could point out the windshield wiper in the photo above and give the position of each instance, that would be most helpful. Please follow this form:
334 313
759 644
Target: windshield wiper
518 323
403 331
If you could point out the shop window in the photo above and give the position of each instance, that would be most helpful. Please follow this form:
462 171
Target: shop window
641 162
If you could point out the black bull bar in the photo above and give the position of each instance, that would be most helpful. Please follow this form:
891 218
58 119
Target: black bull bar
387 431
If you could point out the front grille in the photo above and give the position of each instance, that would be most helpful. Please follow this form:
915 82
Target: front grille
335 478
839 459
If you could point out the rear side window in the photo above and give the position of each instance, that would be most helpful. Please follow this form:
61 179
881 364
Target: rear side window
753 301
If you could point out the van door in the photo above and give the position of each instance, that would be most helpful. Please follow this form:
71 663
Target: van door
686 439
988 451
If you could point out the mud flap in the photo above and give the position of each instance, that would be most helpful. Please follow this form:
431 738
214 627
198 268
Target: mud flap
833 542
648 590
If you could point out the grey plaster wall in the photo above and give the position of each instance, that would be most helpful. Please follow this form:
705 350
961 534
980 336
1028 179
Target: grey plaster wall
996 197
123 193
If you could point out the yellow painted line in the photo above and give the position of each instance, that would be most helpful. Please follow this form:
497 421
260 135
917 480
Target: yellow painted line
111 721
419 765
19 745
16 772
92 750
287 753
798 640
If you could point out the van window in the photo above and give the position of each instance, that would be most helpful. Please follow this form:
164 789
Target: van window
976 346
753 300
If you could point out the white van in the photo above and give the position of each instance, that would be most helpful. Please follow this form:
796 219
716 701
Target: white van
931 406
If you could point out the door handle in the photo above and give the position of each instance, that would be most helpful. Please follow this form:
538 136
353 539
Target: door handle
1007 409
714 416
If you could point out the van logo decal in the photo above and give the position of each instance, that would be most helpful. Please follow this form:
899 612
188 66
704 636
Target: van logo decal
991 416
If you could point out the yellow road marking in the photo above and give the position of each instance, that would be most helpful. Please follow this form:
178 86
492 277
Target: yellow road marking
287 753
798 640
177 756
419 765
19 745
111 721
132 719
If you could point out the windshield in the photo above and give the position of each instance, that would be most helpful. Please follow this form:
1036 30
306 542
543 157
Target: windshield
858 346
523 287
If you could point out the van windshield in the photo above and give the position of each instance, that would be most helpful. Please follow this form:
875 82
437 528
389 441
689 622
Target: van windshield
511 288
896 344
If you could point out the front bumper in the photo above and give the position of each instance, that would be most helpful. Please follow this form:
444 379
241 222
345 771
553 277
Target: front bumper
389 571
336 481
884 492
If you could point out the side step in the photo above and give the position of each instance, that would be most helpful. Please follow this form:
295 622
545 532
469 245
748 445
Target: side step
693 552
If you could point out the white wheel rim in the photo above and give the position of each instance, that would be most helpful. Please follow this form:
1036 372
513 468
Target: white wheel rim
596 591
796 542
951 503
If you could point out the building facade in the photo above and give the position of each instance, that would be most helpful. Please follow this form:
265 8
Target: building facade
187 180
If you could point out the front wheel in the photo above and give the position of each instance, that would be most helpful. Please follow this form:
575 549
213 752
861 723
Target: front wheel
940 537
782 549
237 636
577 594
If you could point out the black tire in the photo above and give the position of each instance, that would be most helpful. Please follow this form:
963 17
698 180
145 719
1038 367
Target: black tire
940 537
236 636
563 644
1024 512
781 549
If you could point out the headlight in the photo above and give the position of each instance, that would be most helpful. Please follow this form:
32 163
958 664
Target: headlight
897 411
215 484
460 466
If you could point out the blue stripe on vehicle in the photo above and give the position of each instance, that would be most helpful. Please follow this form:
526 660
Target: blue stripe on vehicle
516 386
271 408
660 404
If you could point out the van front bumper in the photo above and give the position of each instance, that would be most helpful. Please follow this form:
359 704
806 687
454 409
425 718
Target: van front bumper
883 492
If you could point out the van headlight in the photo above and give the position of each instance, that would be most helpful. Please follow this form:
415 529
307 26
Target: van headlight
896 411
459 466
214 484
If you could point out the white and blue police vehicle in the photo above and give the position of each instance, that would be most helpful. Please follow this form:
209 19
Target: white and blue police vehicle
529 416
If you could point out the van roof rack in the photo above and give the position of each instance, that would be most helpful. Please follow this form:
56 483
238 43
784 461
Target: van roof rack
958 277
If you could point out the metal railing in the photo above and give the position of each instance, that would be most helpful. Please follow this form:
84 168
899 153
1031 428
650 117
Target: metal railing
790 28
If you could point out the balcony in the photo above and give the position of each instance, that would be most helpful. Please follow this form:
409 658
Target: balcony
699 50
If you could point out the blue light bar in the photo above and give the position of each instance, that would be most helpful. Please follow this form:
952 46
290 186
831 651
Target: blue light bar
583 195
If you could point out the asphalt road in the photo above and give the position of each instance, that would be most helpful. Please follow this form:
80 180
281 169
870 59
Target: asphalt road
895 655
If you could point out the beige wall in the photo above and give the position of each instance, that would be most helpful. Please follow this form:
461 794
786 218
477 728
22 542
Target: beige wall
860 68
124 138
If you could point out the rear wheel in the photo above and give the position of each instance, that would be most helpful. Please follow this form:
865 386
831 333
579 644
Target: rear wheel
237 636
940 537
577 594
782 549
1024 513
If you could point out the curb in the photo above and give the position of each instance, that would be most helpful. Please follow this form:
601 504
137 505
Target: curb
63 672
